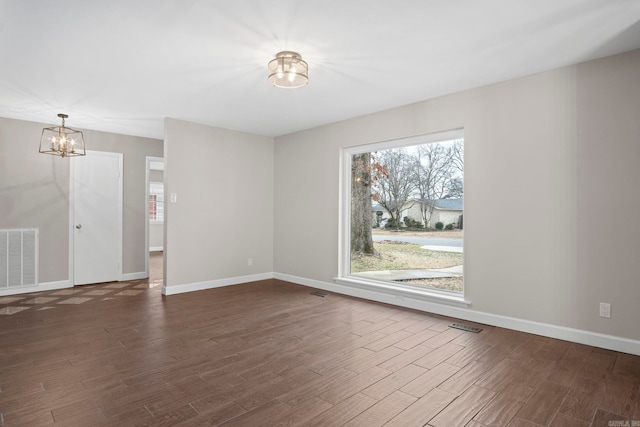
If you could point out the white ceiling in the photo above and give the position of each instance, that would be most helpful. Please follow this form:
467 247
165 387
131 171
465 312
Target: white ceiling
124 65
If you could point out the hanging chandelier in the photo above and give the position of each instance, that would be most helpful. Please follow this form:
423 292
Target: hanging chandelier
62 141
288 70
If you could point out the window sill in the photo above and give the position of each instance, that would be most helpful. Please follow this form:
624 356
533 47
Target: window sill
431 295
156 221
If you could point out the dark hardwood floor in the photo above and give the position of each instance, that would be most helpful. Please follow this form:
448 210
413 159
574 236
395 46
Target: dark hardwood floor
270 353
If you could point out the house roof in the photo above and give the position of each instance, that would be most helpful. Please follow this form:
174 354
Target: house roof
123 66
449 204
443 204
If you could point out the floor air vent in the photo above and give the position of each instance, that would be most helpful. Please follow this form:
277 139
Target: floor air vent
465 327
318 294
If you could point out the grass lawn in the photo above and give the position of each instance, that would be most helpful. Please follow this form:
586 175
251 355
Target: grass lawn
405 256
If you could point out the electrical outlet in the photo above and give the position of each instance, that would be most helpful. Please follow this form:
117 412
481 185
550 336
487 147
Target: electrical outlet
605 310
250 261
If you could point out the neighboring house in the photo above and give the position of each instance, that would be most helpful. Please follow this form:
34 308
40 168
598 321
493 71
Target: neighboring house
447 211
380 214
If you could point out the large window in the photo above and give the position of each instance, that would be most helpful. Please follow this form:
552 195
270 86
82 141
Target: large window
403 213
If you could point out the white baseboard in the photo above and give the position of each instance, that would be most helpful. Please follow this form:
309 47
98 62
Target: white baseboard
595 339
47 286
210 284
156 249
133 276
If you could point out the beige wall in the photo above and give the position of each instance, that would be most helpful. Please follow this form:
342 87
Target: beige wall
156 176
553 137
156 236
223 181
34 192
608 176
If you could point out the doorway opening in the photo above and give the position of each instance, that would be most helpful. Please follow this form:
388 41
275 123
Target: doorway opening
154 224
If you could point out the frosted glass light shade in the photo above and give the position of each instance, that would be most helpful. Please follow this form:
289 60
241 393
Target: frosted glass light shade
288 70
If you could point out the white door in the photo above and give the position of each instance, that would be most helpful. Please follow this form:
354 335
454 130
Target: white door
96 217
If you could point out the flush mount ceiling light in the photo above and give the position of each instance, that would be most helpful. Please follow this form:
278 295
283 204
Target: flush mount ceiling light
62 141
288 70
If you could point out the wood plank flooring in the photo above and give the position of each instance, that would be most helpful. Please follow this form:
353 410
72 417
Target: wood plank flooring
270 353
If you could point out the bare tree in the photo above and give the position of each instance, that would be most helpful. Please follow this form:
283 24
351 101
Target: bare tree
365 172
456 187
395 189
457 155
435 175
361 217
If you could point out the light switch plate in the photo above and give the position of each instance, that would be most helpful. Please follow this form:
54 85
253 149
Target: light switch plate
605 310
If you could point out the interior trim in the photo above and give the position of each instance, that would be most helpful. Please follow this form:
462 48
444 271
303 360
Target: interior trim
46 286
133 276
400 292
580 336
210 284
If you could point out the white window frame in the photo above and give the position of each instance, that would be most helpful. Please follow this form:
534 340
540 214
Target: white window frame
344 238
157 184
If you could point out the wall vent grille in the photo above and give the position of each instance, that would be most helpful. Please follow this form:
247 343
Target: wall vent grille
18 258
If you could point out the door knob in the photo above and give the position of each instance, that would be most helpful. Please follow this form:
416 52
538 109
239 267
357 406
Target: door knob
78 226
